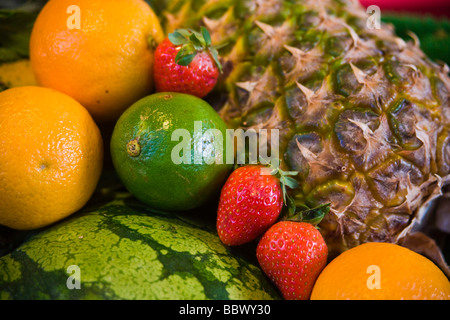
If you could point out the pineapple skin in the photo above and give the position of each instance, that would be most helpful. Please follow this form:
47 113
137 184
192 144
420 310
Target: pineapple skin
363 116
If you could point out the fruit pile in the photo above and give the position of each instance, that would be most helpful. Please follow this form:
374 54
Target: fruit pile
363 124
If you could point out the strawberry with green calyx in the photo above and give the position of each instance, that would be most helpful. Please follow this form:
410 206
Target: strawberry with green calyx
187 62
292 253
251 201
285 181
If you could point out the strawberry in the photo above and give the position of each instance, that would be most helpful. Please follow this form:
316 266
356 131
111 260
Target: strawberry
250 202
292 254
186 62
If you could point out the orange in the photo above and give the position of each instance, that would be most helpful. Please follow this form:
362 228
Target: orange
51 157
381 271
17 74
107 63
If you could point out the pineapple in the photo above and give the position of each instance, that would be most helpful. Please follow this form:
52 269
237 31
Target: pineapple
363 116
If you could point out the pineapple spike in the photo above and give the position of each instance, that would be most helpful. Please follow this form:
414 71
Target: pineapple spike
360 76
353 34
175 21
367 132
328 22
414 193
313 159
423 135
218 27
281 33
415 38
305 63
275 37
413 67
267 29
370 85
401 43
319 96
211 24
296 52
377 145
309 94
306 152
248 86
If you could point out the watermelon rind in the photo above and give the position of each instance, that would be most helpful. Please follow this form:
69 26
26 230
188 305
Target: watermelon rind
125 251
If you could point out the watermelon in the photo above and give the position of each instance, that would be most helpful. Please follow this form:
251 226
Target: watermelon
123 250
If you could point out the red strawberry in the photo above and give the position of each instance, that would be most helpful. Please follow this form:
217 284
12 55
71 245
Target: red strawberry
186 62
292 254
250 202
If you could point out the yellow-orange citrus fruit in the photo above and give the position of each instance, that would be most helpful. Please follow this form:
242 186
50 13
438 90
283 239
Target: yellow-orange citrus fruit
17 74
51 157
381 271
99 52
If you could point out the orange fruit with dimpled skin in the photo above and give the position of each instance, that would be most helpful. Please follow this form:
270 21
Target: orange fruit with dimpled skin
106 64
51 157
381 271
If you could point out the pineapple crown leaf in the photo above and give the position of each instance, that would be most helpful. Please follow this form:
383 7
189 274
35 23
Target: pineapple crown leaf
192 42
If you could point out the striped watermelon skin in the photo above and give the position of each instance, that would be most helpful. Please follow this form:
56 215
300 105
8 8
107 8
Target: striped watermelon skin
126 252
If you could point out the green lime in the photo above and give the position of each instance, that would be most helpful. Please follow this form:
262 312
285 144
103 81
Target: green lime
169 150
